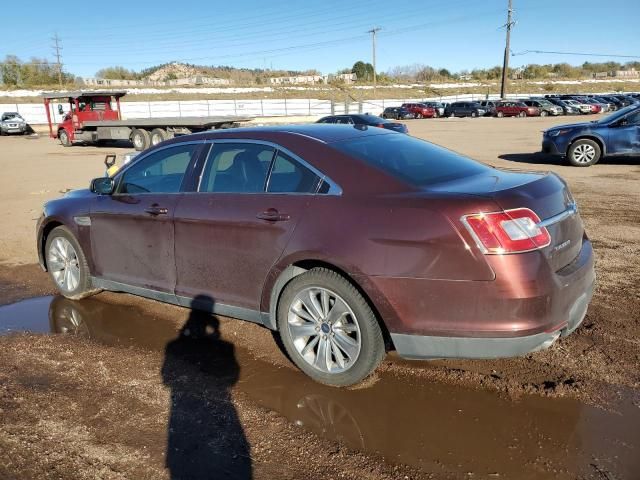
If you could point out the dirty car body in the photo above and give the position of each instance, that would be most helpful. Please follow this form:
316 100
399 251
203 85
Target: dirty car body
405 223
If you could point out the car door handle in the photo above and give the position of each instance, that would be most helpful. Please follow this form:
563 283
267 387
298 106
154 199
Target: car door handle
272 215
156 210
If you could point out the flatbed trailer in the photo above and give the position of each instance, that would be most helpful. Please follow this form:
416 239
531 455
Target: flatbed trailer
92 119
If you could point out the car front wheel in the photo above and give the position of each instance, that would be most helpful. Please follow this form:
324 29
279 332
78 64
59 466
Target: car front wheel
329 329
67 264
584 153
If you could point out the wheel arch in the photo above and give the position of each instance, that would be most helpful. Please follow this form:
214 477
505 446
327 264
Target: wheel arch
601 143
46 229
272 297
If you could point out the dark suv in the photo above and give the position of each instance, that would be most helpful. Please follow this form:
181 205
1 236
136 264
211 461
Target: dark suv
465 109
583 144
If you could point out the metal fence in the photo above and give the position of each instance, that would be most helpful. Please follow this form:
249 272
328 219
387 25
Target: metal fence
36 113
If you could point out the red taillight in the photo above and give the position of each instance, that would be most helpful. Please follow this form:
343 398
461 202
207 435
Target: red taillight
380 125
510 231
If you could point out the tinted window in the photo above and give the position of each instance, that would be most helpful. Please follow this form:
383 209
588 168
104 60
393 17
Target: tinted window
288 176
236 168
373 120
159 172
415 161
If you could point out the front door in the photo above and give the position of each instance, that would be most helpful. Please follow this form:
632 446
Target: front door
624 138
132 231
231 232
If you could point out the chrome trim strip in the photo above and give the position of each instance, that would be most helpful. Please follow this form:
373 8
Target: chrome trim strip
241 313
571 210
82 221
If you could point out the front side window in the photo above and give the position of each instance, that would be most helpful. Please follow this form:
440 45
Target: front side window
289 176
236 168
158 172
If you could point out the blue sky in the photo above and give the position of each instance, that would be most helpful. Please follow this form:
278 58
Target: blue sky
327 34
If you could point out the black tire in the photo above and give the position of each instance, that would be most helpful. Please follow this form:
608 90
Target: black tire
499 114
580 150
419 115
544 113
372 345
157 136
474 114
140 139
84 287
64 138
522 114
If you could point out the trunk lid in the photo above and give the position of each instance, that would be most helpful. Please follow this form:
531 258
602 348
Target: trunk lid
544 193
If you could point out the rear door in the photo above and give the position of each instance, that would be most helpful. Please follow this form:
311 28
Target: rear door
231 231
624 138
132 231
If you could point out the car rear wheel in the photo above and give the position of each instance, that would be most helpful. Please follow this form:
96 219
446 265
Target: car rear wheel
140 139
419 115
329 329
543 113
474 114
584 153
67 265
499 114
64 138
522 114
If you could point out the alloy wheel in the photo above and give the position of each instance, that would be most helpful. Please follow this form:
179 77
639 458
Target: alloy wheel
584 153
324 330
63 263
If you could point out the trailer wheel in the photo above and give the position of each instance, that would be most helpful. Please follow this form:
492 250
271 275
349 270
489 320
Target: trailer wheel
140 139
157 135
64 138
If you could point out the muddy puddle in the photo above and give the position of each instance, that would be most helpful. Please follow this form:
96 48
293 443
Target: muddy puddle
437 428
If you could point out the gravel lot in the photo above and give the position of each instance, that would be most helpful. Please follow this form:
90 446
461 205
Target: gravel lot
105 406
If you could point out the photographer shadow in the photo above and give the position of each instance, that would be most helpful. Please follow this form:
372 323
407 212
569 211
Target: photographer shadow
205 439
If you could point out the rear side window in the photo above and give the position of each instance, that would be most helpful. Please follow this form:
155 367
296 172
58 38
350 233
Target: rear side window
288 176
159 172
236 168
414 161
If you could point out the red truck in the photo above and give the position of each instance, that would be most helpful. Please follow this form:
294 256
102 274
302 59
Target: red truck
516 109
92 119
420 110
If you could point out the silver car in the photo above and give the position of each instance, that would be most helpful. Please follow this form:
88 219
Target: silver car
12 122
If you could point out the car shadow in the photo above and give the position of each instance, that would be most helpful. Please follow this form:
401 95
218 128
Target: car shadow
205 438
540 158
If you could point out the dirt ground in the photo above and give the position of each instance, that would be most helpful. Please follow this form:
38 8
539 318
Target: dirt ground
77 408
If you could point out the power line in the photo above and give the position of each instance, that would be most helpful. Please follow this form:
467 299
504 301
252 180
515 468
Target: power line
575 53
56 47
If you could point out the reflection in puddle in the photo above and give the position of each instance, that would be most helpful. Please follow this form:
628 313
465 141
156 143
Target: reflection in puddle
435 427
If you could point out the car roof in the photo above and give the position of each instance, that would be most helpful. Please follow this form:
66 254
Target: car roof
325 133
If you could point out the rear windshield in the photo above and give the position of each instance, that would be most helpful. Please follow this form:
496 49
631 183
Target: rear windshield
409 159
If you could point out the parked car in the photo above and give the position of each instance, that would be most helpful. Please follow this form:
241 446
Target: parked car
439 107
626 100
420 110
516 109
464 109
583 144
544 106
397 113
365 120
611 106
12 122
568 109
316 231
489 106
596 107
579 106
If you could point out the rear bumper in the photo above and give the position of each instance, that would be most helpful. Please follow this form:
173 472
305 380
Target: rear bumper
526 308
424 347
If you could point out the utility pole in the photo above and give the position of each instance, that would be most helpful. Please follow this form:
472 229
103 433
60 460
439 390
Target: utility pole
507 50
373 32
56 47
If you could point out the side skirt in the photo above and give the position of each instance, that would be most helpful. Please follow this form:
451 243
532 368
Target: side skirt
211 307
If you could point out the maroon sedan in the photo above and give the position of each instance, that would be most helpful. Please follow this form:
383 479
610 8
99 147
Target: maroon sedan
516 109
349 241
420 110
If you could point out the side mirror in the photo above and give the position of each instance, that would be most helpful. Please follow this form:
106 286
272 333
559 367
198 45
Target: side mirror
60 109
103 185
